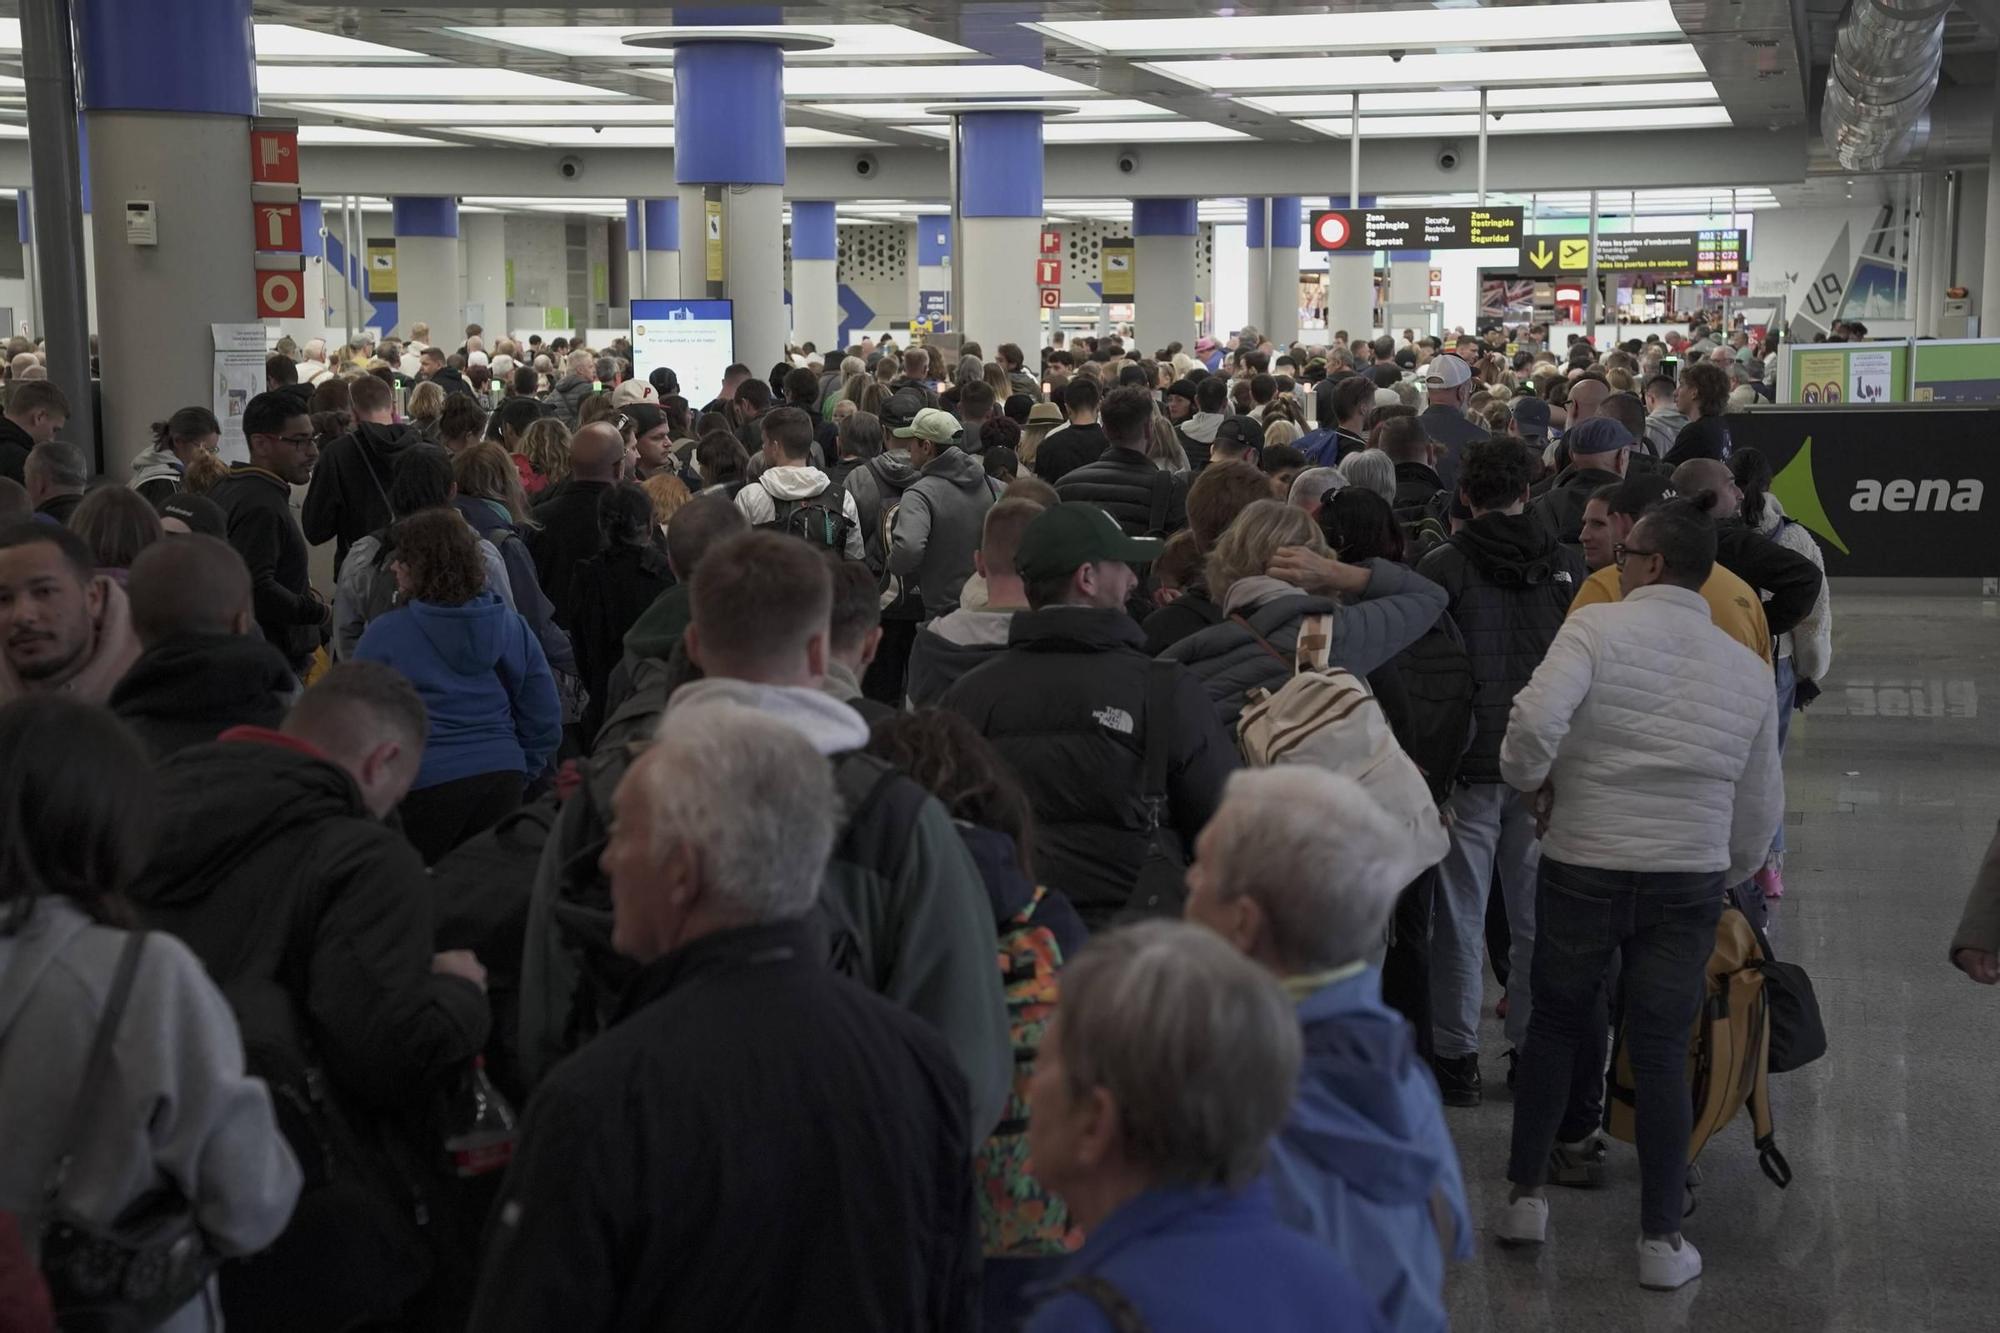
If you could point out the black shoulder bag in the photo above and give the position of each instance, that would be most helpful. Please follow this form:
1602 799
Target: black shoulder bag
134 1274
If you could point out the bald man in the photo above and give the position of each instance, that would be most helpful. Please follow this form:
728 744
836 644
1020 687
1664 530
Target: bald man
1788 582
201 670
1585 397
568 514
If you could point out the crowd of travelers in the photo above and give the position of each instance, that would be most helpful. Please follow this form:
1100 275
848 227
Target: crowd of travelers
909 843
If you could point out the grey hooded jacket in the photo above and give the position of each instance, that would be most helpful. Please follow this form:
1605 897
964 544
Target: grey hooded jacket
939 525
1393 613
177 1109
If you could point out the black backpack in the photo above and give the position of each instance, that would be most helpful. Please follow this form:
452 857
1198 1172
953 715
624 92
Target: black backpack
813 522
1426 693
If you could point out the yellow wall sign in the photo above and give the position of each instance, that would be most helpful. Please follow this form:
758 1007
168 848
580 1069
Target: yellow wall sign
1119 268
712 240
381 268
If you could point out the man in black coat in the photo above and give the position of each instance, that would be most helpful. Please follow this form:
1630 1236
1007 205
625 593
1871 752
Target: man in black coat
1599 451
1081 441
569 532
1788 581
349 497
442 373
314 918
1510 584
36 411
813 1133
202 671
1147 500
256 503
1068 706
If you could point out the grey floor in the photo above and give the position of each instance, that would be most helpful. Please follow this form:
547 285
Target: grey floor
1893 1219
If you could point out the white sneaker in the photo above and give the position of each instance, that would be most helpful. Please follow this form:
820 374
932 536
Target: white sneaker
1525 1221
1664 1268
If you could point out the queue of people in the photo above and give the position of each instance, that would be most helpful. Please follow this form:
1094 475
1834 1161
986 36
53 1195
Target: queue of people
899 846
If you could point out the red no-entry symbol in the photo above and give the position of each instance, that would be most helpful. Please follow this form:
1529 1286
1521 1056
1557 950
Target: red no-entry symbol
1330 231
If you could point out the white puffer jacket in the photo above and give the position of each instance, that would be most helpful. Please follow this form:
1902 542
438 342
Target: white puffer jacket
1659 734
1810 643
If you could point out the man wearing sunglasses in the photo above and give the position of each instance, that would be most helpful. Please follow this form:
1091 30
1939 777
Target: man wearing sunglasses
1649 738
256 502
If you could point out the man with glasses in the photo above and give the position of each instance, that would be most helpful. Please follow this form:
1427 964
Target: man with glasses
256 502
1649 740
1608 519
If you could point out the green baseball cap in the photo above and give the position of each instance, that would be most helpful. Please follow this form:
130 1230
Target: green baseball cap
933 424
1065 537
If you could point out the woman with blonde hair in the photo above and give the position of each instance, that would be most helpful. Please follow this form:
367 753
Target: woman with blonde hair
1280 430
1163 446
426 405
1269 571
544 455
668 493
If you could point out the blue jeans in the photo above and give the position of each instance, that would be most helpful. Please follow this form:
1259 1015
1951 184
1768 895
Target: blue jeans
1493 828
1662 927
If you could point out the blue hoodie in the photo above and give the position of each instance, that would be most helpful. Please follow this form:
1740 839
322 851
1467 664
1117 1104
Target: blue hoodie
1366 1150
487 686
1207 1261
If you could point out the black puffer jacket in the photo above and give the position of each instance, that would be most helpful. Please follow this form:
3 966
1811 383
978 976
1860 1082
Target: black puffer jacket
1416 483
1510 584
187 689
277 874
1066 707
1125 484
1790 581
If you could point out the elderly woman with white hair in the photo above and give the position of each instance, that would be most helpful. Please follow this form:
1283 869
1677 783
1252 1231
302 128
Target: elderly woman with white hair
1299 869
1257 574
1373 470
1170 1063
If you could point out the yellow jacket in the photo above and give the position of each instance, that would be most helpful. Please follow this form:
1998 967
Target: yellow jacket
1732 604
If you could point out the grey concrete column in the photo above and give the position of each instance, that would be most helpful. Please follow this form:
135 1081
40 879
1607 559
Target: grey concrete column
485 238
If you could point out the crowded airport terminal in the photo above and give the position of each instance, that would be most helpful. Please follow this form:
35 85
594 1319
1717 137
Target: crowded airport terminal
978 666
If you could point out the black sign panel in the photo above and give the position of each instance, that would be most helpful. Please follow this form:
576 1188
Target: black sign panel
1887 491
1416 228
1693 254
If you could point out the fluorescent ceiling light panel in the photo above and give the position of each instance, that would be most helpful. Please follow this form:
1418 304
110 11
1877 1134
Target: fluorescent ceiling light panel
1110 108
636 136
1136 131
402 83
448 114
282 41
1372 29
328 136
1497 99
851 41
956 82
1465 69
1527 122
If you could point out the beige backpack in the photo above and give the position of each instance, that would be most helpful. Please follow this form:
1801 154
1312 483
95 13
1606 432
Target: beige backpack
1326 717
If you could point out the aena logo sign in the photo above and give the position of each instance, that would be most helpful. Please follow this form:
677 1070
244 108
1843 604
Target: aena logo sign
1796 490
1902 495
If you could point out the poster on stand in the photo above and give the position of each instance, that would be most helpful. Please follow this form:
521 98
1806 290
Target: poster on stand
239 377
695 339
1868 377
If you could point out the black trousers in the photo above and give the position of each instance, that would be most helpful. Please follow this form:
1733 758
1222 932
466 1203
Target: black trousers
1406 968
439 818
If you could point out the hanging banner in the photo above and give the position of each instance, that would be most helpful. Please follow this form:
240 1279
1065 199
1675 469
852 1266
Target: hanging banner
1121 260
238 377
1888 491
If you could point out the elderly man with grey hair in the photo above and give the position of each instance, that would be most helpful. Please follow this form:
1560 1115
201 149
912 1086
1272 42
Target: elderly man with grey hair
821 1129
55 475
1299 870
1170 1063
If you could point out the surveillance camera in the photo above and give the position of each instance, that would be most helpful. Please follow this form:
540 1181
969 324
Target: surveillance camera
570 167
866 165
1448 157
1396 57
1128 162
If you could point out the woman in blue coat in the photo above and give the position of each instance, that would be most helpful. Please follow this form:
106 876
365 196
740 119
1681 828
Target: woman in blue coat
494 716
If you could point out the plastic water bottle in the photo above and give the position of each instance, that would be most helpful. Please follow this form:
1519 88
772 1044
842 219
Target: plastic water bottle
484 1127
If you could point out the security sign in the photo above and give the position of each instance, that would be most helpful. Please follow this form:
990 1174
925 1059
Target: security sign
281 294
1051 298
1330 231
